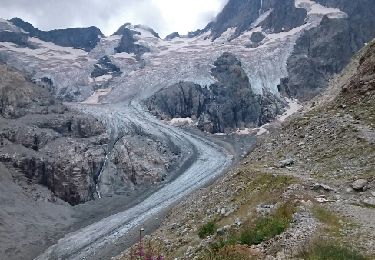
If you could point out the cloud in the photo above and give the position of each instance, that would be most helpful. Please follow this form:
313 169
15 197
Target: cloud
165 16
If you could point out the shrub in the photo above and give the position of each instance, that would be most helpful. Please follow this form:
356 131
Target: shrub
207 229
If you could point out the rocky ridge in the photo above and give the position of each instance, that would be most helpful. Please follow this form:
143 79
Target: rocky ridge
80 38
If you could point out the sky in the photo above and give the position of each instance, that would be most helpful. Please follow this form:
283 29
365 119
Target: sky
164 16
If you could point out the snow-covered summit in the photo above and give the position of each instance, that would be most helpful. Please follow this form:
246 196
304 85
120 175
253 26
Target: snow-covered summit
264 35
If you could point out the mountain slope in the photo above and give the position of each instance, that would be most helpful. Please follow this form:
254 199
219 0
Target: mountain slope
306 190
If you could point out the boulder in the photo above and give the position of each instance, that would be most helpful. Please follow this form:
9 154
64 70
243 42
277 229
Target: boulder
321 186
286 163
359 185
369 202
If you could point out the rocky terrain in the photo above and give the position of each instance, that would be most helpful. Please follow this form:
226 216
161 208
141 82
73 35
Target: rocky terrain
76 133
51 154
306 191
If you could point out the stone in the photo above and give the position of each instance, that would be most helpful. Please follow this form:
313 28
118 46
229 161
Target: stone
369 201
286 163
238 222
221 231
359 185
321 186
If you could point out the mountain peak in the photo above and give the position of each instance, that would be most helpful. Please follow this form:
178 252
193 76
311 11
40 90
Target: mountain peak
136 29
79 38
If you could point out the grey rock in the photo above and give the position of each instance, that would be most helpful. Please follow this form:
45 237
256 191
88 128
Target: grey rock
105 67
360 185
321 186
257 37
286 163
369 202
223 230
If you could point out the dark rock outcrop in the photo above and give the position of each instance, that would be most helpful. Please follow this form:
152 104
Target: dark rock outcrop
283 17
172 36
229 103
79 38
18 38
105 67
128 43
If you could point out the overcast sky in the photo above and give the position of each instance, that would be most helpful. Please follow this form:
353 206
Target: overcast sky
164 16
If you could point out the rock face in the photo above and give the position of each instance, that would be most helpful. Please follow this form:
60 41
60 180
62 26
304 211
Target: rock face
44 143
18 38
242 14
128 42
79 38
229 103
325 50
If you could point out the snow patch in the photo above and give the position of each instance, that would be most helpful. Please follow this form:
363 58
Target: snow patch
226 36
124 55
262 130
94 98
47 51
261 18
181 121
103 78
294 107
314 8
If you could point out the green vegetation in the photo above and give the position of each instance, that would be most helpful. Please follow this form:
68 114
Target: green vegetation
207 229
324 251
261 229
331 220
264 229
267 227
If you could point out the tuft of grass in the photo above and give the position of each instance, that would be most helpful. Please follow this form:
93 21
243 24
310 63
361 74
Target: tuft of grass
268 227
260 230
332 222
264 229
324 251
207 229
